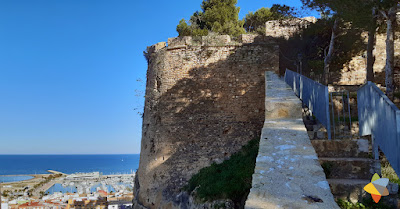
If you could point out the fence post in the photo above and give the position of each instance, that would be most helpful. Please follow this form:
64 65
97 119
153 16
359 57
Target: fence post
375 151
398 139
328 127
284 77
348 107
333 117
312 94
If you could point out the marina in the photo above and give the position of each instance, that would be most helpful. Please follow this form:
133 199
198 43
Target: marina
88 183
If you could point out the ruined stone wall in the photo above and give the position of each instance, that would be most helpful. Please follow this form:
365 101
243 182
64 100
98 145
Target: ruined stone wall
354 72
204 101
286 28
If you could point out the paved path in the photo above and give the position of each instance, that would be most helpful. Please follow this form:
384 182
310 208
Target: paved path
44 187
287 173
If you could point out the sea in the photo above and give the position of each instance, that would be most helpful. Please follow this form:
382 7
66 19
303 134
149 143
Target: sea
18 167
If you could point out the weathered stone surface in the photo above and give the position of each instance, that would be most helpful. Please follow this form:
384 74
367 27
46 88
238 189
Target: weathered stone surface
252 38
346 148
354 73
348 189
287 173
350 168
321 135
311 134
247 38
156 47
203 103
179 41
280 102
220 40
286 28
353 189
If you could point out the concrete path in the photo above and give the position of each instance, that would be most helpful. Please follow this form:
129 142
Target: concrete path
287 173
45 187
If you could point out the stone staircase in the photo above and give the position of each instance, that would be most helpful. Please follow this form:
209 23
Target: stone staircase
349 167
287 172
347 161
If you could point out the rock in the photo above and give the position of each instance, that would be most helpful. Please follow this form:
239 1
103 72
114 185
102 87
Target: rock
321 135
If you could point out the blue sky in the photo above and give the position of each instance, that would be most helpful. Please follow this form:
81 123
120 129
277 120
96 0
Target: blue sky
69 71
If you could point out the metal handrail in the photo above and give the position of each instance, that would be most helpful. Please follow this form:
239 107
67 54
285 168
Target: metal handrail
313 94
380 118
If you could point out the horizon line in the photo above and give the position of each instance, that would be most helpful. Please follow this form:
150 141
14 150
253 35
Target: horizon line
77 154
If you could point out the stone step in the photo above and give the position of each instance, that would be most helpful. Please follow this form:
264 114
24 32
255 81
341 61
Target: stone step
343 148
349 168
353 189
348 189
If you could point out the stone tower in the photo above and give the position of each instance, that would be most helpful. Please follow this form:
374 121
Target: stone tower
204 101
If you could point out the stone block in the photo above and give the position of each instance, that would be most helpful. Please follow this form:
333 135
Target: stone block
259 39
344 148
352 190
309 127
247 38
156 47
281 108
219 40
393 188
179 41
348 189
321 135
316 127
277 28
349 168
311 134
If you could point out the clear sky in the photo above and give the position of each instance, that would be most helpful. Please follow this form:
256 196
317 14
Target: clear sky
69 71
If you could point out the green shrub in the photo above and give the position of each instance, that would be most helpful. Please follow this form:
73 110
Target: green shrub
327 166
367 203
228 180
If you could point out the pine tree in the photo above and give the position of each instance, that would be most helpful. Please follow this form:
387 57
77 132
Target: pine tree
326 12
219 16
360 13
255 22
388 9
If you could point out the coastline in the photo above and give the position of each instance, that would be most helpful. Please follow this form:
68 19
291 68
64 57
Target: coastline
16 165
35 176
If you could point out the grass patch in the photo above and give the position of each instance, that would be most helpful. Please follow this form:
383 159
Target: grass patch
327 166
367 203
388 172
228 180
397 94
353 95
346 119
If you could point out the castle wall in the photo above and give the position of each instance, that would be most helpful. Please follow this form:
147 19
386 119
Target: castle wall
353 72
287 28
204 101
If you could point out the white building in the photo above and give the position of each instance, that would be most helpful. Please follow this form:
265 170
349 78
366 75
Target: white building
4 205
119 204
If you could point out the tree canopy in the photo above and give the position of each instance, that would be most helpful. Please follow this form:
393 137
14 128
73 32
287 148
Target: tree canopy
219 16
255 22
